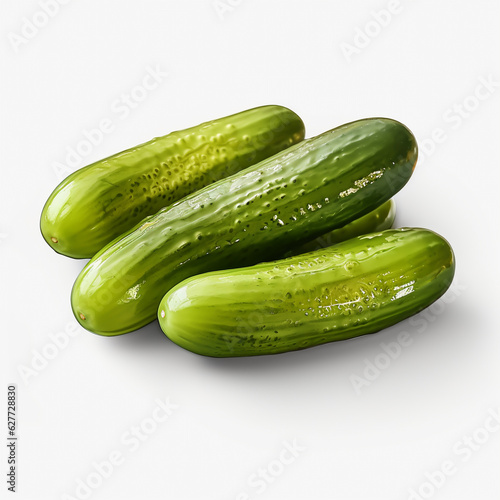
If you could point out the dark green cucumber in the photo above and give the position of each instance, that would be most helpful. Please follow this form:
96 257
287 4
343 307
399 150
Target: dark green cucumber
377 220
255 215
97 203
357 287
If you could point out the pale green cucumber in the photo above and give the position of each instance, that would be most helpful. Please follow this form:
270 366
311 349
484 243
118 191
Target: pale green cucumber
97 203
356 287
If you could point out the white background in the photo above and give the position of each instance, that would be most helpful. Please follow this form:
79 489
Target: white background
380 441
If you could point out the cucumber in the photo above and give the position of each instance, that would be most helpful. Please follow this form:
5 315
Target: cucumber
357 287
377 220
95 204
257 214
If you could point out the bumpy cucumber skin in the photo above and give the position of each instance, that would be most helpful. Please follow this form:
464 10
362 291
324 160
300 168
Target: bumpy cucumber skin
97 203
377 220
255 215
357 287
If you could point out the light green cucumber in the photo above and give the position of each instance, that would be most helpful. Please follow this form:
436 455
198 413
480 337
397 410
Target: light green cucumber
356 287
97 203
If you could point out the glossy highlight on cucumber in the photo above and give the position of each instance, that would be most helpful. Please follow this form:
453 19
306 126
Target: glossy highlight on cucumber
354 288
97 203
255 215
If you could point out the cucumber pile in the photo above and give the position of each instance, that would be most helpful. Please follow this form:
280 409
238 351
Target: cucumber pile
244 239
